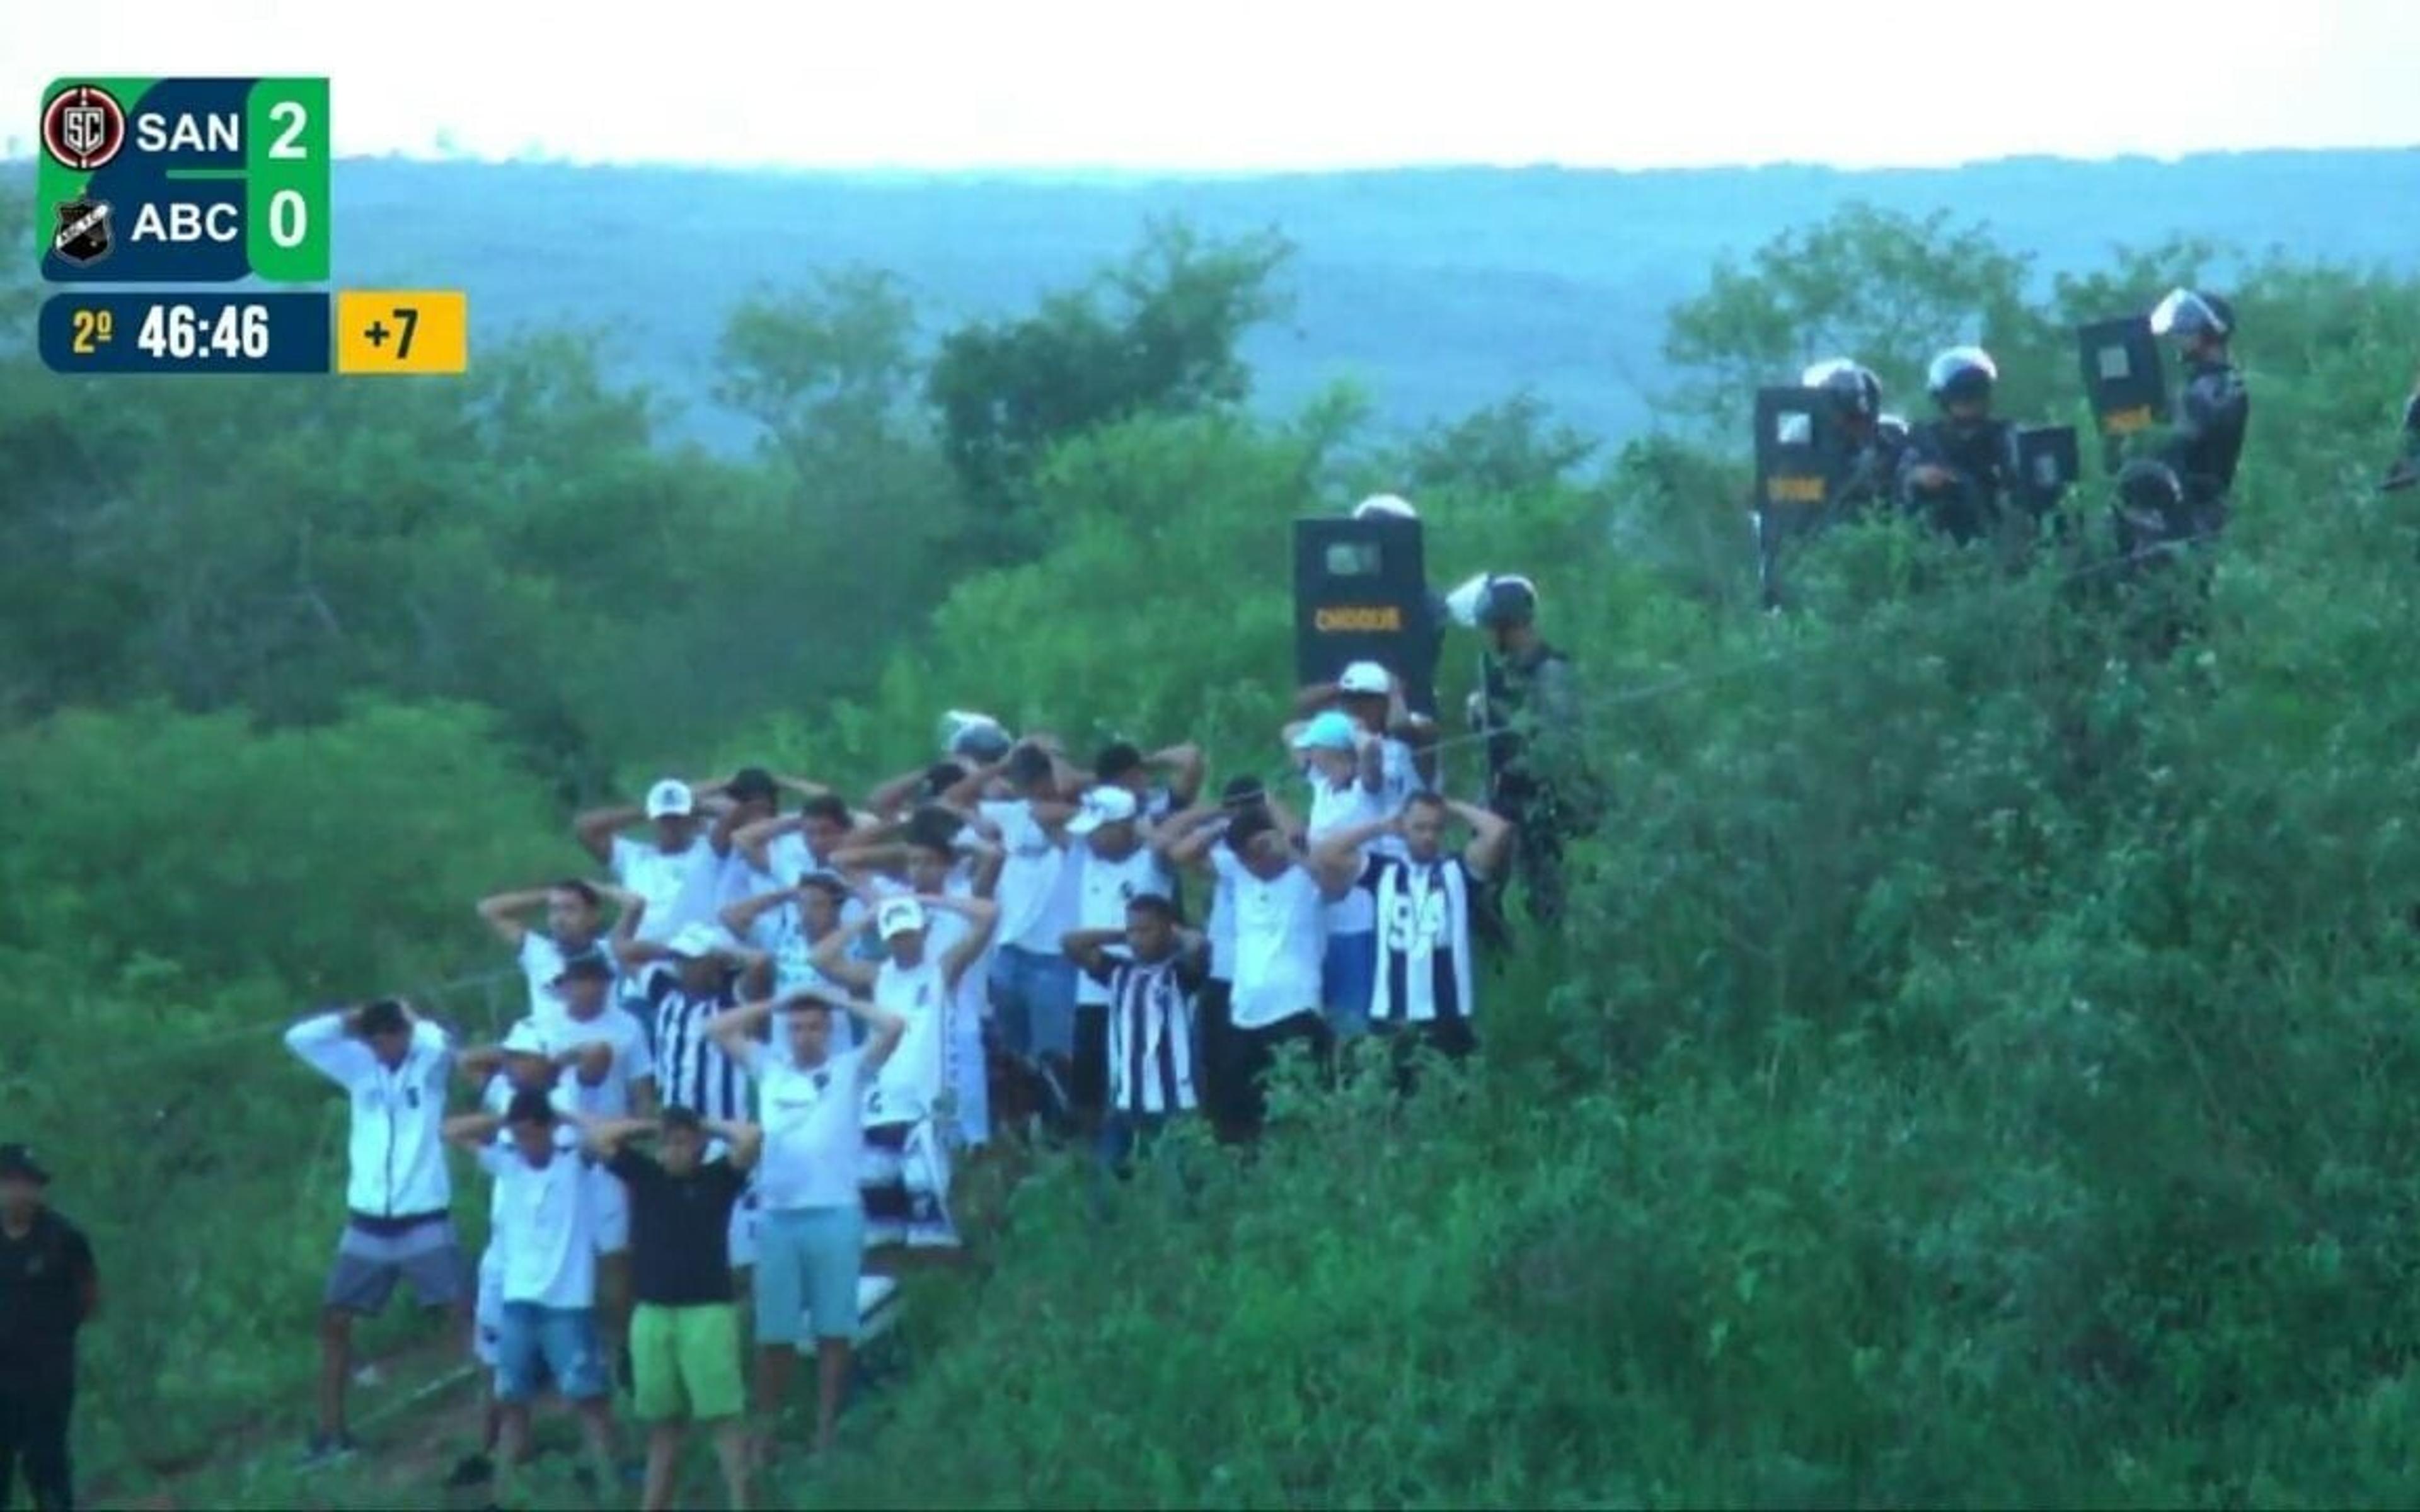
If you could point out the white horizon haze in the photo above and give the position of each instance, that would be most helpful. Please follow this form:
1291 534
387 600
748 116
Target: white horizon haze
1256 86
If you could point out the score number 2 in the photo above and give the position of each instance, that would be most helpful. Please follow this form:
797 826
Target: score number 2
90 329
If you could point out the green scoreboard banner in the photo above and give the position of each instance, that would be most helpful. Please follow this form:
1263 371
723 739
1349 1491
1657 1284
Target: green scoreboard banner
184 180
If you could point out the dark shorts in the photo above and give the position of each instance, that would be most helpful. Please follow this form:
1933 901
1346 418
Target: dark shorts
1088 1082
370 1262
1251 1054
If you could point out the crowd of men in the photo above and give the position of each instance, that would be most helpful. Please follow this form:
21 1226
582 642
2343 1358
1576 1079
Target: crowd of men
757 1049
1958 472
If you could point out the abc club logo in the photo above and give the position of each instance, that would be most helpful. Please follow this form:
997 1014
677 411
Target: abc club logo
83 128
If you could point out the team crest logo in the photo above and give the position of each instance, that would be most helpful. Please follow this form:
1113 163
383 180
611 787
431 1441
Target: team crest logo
82 236
83 128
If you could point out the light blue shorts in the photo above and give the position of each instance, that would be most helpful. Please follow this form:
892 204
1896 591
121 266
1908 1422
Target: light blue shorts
808 1260
1348 974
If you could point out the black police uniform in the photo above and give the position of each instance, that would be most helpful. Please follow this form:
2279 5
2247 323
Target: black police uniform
1981 455
2405 472
43 1274
2206 439
1535 690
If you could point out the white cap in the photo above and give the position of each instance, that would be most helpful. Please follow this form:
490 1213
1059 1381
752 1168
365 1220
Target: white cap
671 798
1365 677
524 1039
695 940
1387 505
897 917
1103 806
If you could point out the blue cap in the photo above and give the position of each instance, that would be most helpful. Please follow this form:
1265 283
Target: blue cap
1331 730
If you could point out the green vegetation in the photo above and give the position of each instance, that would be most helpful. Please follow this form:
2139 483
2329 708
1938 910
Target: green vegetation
1977 1072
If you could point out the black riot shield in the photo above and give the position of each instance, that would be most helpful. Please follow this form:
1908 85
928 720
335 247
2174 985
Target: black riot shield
2046 465
1362 594
1801 456
2122 379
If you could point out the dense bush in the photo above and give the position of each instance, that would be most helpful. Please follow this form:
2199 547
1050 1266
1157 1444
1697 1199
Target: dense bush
1974 1072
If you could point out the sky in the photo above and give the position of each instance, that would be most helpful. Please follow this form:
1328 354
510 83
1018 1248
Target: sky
1254 85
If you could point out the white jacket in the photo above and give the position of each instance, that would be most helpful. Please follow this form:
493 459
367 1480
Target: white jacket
398 1150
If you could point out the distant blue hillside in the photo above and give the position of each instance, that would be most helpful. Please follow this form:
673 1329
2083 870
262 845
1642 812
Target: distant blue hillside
1439 290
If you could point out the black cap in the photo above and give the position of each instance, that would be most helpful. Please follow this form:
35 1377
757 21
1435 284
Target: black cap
590 964
1117 759
17 1164
675 1116
530 1107
753 783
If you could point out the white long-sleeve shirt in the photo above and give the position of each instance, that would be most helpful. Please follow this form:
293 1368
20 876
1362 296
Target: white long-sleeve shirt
397 1152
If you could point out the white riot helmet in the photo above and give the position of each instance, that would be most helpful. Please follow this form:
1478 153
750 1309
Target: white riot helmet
1962 373
1385 506
1859 391
2187 314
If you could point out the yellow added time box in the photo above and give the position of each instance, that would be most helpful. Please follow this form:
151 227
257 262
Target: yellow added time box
402 330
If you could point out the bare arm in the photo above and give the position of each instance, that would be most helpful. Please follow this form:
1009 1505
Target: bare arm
753 839
1185 840
502 912
1312 697
1185 767
988 859
596 828
883 1030
734 1029
1335 860
606 1135
1491 840
1086 947
897 794
471 1131
982 915
832 959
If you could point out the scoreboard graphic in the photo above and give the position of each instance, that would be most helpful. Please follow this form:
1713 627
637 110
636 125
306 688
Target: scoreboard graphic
211 183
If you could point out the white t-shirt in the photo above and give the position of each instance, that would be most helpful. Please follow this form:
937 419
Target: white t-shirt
1103 889
1036 909
911 1078
1280 938
1333 809
632 1060
814 1137
1221 929
679 886
545 1225
497 1097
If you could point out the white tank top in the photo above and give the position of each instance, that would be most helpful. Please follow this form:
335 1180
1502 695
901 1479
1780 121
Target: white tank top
911 1078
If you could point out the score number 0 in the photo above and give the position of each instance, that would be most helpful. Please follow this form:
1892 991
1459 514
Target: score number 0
290 215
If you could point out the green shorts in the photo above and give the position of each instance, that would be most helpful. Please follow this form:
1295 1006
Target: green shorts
684 1362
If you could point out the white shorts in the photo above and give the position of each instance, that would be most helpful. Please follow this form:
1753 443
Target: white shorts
487 1320
610 1210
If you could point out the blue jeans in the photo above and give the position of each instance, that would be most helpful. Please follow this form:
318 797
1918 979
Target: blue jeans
1347 976
564 1340
1034 999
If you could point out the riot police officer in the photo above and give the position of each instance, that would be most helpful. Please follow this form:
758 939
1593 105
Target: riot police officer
1955 471
1528 709
1869 471
2205 437
2150 514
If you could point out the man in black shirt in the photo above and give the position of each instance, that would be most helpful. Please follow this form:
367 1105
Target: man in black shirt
685 1350
48 1290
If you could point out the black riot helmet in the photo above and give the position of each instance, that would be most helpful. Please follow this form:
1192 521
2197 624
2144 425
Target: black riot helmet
1891 426
2188 315
1858 392
1509 600
2411 414
1961 374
